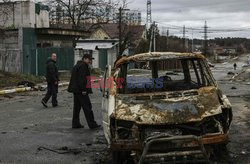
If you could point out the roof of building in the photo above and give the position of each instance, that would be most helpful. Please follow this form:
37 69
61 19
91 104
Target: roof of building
94 44
112 30
153 56
60 31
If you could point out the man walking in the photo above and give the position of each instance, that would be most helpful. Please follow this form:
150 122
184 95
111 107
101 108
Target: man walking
235 66
78 86
52 81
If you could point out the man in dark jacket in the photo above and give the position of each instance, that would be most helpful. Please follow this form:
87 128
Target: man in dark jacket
52 81
78 86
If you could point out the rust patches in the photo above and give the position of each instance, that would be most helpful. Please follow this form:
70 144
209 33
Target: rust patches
214 139
126 145
112 91
209 139
157 56
169 110
137 145
204 90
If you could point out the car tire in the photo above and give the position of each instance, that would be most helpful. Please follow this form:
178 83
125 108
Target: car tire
121 157
221 154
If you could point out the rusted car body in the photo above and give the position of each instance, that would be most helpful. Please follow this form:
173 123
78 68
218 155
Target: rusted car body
184 119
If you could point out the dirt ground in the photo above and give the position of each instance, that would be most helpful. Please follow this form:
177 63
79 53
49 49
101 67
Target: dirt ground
12 79
28 131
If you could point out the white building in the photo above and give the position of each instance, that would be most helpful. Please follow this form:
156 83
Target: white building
104 51
24 14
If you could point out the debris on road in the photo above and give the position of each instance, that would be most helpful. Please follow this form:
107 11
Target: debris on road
231 73
243 76
62 150
26 84
233 88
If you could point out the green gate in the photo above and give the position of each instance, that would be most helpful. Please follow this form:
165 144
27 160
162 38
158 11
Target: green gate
65 58
103 59
34 59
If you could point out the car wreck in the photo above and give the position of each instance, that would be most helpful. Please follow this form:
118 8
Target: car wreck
168 110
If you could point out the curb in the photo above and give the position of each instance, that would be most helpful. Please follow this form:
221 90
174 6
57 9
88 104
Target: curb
15 90
26 89
45 86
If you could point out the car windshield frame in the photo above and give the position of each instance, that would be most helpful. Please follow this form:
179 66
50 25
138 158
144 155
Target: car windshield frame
199 67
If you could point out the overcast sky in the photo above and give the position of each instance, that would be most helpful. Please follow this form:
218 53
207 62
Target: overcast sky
219 14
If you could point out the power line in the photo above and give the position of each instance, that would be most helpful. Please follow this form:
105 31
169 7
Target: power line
205 39
149 14
211 5
184 39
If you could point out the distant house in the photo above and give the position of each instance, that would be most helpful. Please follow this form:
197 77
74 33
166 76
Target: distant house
219 50
135 33
230 50
224 51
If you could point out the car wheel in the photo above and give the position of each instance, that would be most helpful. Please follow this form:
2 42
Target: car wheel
121 157
221 154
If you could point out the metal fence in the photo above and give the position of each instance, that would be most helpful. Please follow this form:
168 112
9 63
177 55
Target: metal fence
10 60
39 57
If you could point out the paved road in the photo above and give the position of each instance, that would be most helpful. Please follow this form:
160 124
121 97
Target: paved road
25 126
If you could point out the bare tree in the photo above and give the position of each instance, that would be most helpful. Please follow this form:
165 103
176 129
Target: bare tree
81 11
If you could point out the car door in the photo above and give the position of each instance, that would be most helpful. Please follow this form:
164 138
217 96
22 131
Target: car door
106 103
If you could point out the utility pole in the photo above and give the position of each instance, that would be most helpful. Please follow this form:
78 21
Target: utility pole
192 40
152 39
205 39
120 31
149 15
184 38
167 39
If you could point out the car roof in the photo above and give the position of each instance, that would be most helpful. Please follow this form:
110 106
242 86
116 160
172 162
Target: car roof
155 56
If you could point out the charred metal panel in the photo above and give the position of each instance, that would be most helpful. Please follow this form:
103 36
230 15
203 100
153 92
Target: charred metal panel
155 56
169 110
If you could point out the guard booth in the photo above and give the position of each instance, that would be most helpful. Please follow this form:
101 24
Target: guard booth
104 51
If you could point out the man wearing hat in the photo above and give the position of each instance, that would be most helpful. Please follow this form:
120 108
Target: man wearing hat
78 86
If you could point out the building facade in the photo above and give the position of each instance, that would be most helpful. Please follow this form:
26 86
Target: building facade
104 51
24 14
106 13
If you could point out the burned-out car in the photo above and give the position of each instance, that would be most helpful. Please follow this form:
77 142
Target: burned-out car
164 107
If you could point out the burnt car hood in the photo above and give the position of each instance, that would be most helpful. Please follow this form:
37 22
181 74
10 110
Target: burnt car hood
175 108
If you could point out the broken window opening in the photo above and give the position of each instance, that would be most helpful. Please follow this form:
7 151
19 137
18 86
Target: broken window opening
164 75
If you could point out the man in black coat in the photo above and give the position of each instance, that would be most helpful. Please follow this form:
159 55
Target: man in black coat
80 77
52 81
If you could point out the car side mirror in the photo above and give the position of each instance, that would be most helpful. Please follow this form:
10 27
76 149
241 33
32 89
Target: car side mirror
106 94
101 90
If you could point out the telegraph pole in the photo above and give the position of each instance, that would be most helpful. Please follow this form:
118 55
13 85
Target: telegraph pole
192 40
120 31
167 39
205 39
184 38
149 15
154 38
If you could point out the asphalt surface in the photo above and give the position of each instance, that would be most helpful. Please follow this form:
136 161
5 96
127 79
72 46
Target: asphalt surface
28 130
25 125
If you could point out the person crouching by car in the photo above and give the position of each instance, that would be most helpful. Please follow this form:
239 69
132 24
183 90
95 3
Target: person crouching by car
52 81
78 86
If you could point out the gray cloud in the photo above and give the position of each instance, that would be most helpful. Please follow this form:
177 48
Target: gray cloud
220 14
